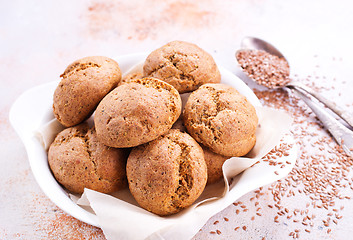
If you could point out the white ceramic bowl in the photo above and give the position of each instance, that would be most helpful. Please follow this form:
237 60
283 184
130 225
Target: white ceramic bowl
34 108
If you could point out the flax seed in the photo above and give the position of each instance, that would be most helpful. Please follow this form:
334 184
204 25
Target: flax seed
264 68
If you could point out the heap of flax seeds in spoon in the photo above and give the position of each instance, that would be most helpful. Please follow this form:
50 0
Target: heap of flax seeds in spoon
266 69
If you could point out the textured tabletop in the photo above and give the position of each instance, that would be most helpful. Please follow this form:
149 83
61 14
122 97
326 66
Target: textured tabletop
40 38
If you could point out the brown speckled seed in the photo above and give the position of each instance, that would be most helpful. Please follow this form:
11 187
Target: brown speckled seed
168 174
137 112
220 118
78 160
183 65
84 83
266 69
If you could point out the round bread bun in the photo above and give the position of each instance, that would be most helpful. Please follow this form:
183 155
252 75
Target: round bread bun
168 174
83 85
137 112
183 65
222 119
78 160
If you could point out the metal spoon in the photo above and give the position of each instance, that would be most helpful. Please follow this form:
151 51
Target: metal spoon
341 133
258 44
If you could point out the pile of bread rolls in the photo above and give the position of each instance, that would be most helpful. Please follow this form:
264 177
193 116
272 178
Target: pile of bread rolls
141 138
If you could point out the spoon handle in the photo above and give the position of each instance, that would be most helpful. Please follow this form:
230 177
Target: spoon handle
346 116
341 134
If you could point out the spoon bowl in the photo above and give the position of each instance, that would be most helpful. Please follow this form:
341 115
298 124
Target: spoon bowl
265 68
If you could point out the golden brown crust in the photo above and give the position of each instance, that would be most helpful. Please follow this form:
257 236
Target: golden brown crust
183 65
222 119
214 163
137 112
130 77
78 160
168 174
84 83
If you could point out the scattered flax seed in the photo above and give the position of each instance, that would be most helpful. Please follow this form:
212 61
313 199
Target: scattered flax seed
226 219
215 222
213 232
236 229
218 232
244 228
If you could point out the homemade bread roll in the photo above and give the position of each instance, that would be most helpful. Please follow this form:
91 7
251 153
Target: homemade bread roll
222 119
137 112
168 174
183 65
83 85
78 160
